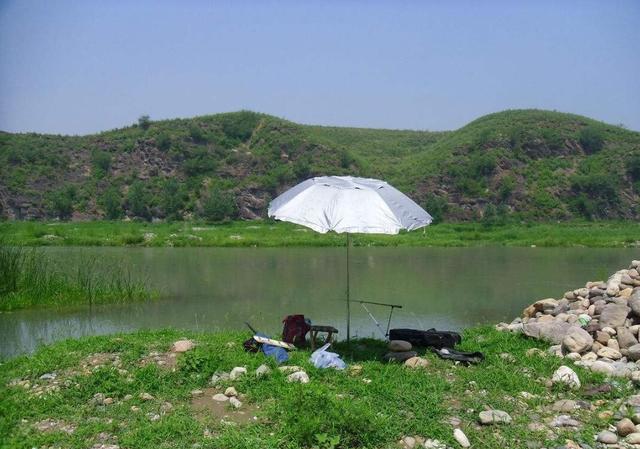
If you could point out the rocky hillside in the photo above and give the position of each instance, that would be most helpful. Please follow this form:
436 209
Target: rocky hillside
526 164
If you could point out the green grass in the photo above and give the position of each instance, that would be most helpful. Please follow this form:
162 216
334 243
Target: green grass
28 278
339 405
277 234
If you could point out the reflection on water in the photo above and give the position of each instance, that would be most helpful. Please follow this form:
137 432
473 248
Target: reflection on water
221 288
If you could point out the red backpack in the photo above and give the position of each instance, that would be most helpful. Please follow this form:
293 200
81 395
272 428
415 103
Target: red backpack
295 329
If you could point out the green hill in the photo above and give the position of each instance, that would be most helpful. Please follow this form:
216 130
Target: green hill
529 164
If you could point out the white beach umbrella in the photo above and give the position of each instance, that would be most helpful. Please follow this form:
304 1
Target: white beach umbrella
345 204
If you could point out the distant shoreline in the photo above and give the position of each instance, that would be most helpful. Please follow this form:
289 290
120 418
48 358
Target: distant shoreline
267 233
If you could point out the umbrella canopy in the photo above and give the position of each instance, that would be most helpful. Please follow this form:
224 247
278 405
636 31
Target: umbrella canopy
348 204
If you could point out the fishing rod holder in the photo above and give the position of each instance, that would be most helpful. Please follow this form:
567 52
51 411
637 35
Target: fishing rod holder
391 306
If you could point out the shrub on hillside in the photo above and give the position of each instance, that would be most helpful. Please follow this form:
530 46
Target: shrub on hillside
218 205
163 141
199 162
196 134
240 126
633 168
437 208
61 202
138 201
101 162
506 187
172 200
482 165
592 139
112 203
594 195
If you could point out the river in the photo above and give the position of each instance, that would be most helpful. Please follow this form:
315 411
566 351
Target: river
221 288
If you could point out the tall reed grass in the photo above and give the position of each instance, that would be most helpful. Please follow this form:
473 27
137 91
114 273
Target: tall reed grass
28 278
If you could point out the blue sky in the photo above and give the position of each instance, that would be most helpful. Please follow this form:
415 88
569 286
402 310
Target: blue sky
76 67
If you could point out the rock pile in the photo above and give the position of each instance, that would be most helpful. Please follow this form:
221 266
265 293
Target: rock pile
399 351
595 326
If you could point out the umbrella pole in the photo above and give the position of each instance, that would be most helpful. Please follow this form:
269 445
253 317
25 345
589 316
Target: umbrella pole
348 291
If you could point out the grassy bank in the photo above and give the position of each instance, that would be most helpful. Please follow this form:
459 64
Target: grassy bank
28 278
96 396
275 234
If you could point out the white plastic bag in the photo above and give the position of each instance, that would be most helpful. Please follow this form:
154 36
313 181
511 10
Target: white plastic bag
321 358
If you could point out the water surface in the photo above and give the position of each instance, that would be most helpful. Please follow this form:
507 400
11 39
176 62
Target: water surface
221 288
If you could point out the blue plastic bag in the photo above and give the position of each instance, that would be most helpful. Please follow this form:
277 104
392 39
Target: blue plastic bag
280 354
321 358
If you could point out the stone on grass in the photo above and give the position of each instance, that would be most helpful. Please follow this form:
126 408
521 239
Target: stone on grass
230 392
262 370
416 362
235 402
577 340
564 406
399 356
625 427
196 393
565 375
146 397
182 346
219 397
494 417
607 437
289 369
399 346
237 372
461 438
564 421
298 376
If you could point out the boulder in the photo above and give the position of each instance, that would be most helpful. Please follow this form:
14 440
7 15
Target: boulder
237 372
633 352
625 337
565 375
613 315
634 301
553 331
544 306
609 353
607 437
602 367
602 337
577 340
633 438
625 427
399 346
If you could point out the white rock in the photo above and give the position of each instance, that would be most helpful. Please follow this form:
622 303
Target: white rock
231 392
289 369
182 346
298 376
235 402
461 438
220 397
262 370
237 372
494 417
565 375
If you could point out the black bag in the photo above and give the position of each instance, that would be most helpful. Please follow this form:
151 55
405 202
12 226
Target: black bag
430 338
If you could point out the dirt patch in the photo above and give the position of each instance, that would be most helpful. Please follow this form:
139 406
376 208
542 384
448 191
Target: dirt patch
165 360
205 406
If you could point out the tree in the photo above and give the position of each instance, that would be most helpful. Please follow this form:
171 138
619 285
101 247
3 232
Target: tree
101 161
219 205
172 199
437 208
112 203
144 122
138 200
